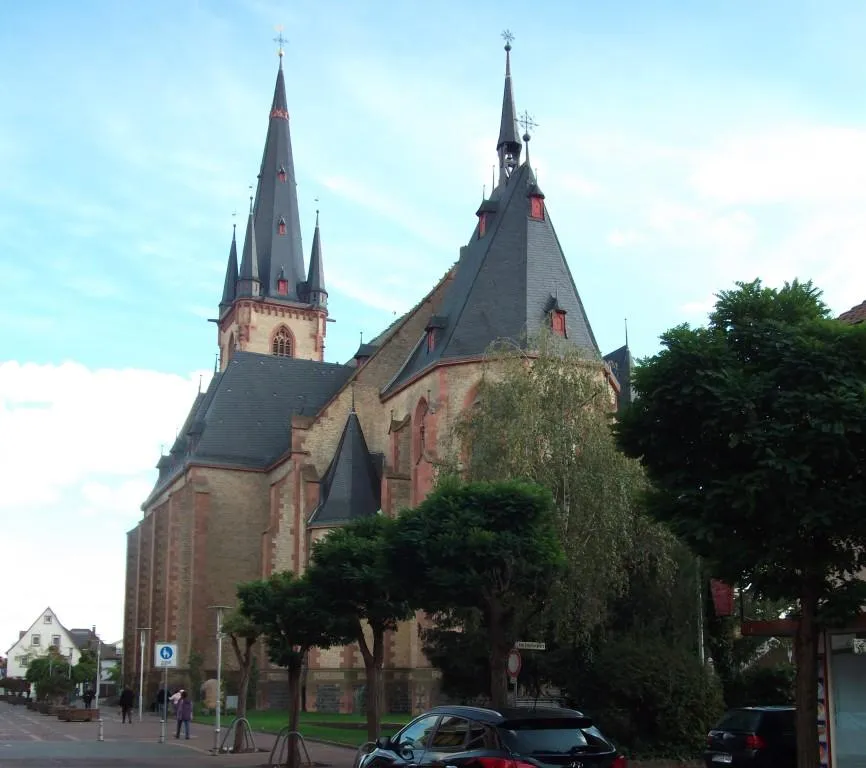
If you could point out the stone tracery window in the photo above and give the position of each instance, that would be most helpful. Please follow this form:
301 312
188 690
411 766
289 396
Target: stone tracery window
283 344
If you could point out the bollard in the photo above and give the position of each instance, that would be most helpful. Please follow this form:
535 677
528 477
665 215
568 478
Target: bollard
162 730
101 732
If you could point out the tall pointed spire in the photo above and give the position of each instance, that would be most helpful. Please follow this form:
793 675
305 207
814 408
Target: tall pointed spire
316 293
508 146
249 283
230 284
277 222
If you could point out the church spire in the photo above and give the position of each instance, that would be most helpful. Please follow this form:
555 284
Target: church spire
316 293
231 280
508 146
249 283
277 222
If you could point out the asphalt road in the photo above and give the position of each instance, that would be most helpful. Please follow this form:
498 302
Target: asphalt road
31 740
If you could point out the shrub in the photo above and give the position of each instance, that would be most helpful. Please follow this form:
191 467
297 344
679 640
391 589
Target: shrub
762 686
652 698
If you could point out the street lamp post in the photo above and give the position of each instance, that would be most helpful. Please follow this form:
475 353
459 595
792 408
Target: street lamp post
101 734
143 637
219 638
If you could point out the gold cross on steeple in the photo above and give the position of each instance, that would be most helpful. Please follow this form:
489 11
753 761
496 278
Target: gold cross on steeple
279 39
526 121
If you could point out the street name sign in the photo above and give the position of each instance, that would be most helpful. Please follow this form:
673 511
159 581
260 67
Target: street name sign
524 645
165 655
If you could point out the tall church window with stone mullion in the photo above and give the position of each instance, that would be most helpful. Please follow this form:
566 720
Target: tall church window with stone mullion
282 343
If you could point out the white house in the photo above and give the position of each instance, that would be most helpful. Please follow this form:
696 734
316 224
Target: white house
46 631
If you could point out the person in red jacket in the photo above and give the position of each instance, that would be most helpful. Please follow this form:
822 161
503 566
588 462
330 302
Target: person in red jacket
184 714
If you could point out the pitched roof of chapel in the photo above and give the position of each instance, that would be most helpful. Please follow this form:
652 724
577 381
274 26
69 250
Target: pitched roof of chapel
351 486
504 286
855 314
244 417
621 364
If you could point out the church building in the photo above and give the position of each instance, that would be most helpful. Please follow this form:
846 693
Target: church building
283 446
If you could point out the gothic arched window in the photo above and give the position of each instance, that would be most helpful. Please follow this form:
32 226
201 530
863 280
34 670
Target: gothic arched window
282 345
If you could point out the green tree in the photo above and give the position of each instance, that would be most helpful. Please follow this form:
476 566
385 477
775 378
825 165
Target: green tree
292 621
50 674
195 666
490 546
243 634
545 418
84 672
753 433
353 575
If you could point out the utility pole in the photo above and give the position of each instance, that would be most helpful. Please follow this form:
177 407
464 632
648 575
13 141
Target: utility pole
219 638
143 638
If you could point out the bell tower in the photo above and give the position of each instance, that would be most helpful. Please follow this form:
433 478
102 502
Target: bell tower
271 304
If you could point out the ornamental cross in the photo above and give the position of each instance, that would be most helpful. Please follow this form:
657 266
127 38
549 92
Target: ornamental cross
279 39
507 36
526 121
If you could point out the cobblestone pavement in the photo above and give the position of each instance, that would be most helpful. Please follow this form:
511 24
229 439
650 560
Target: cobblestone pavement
31 740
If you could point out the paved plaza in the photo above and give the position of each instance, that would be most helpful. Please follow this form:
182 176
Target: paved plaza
31 740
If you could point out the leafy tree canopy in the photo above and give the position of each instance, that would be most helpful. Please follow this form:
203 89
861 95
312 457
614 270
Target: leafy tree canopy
753 431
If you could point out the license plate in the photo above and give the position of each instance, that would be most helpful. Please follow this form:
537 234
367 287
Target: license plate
722 758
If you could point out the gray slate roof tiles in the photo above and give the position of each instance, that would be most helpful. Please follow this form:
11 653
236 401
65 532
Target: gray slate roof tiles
621 363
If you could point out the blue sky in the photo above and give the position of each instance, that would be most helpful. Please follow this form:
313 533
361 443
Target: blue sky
681 146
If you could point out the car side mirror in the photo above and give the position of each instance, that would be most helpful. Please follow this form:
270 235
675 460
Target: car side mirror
383 742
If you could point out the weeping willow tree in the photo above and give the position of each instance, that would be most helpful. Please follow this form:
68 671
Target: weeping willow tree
546 418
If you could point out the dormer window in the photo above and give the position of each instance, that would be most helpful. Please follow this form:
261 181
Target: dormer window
283 287
281 226
484 214
281 174
482 225
557 323
431 339
536 208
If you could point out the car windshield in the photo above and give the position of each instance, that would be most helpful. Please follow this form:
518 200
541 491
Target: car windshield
740 720
556 736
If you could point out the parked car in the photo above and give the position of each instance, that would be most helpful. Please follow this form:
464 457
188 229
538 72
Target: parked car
474 737
753 737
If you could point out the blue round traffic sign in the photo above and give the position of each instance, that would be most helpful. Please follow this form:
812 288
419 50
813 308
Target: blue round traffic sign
166 652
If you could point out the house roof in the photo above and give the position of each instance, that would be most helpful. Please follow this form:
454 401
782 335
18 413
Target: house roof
351 486
621 364
244 417
503 286
854 315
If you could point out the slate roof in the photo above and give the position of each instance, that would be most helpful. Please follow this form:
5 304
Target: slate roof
277 199
315 291
249 280
854 315
244 417
351 487
231 279
503 285
621 364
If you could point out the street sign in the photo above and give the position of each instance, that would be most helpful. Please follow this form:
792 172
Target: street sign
515 663
528 646
165 655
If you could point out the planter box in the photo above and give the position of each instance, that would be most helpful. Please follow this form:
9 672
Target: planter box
78 715
61 712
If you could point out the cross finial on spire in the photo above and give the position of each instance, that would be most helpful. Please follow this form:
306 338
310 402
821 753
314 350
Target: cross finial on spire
507 37
279 39
526 121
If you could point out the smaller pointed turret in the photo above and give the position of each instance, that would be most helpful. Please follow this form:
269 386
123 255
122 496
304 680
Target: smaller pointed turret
316 293
230 285
248 279
508 147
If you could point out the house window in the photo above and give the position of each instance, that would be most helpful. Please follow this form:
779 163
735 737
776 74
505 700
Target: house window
557 323
281 226
283 287
55 641
281 174
282 343
536 208
431 340
46 619
482 225
35 640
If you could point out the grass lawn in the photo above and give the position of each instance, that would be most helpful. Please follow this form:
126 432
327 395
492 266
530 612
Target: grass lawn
342 729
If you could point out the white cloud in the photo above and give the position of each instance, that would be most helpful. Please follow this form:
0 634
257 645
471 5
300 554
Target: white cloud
78 451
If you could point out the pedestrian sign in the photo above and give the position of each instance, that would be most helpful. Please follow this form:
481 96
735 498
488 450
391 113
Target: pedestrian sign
165 655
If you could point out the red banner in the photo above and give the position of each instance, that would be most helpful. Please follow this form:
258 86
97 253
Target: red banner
723 597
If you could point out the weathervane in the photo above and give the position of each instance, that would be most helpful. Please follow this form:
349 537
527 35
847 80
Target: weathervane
526 121
279 39
507 37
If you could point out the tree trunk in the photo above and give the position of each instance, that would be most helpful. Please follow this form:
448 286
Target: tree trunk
373 663
245 661
294 754
806 659
498 657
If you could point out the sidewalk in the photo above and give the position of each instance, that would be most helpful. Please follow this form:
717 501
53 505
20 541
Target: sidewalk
202 740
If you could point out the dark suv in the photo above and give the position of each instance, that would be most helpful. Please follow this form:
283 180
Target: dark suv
473 737
753 737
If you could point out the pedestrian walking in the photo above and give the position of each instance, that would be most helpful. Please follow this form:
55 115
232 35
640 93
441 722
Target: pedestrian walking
88 698
162 702
184 714
127 701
